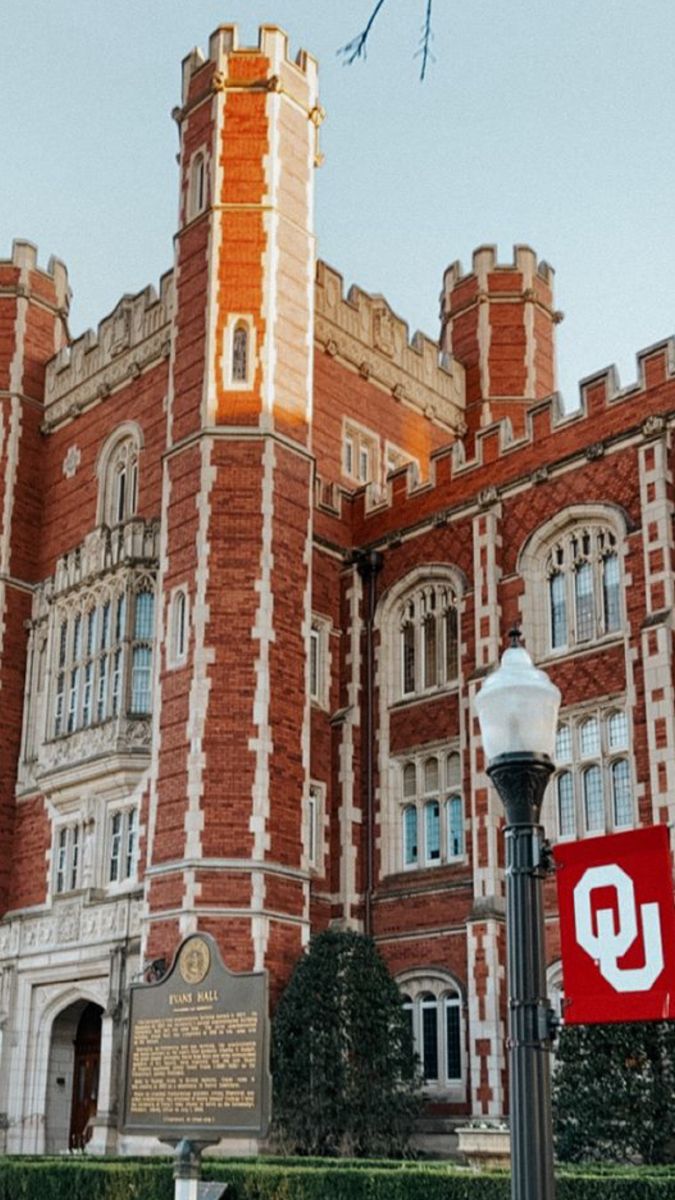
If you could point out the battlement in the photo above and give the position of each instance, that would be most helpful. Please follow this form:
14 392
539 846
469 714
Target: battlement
24 260
551 437
134 335
230 65
484 262
363 331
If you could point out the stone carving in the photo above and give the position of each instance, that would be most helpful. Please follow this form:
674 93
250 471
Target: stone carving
653 425
72 461
77 920
112 737
383 331
121 328
488 496
594 451
540 475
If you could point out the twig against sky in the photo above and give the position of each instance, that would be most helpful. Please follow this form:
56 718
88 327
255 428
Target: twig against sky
358 46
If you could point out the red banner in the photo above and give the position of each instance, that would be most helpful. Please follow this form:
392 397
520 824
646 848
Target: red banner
617 927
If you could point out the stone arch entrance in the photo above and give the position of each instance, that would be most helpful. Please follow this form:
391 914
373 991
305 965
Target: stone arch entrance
72 1076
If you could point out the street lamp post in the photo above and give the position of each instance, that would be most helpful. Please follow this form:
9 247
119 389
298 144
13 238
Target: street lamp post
517 709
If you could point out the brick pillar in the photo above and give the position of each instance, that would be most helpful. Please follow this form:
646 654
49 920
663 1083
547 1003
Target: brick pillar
33 313
498 322
486 982
231 741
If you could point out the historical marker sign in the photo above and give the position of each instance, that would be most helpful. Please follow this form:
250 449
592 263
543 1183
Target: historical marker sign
197 1050
617 927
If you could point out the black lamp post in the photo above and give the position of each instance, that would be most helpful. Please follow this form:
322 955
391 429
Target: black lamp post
517 709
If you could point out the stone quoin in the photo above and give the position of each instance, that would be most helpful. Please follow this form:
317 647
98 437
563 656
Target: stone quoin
258 549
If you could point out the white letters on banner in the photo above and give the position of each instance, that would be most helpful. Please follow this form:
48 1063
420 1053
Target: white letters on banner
609 944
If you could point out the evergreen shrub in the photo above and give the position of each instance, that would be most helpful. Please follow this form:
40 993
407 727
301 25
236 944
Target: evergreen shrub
345 1072
613 1090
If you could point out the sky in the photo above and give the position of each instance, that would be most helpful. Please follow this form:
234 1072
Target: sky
548 122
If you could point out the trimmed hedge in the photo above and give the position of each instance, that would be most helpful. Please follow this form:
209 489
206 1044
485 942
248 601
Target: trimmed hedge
120 1179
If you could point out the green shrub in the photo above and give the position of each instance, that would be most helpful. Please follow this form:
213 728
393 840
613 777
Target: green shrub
613 1088
270 1179
344 1069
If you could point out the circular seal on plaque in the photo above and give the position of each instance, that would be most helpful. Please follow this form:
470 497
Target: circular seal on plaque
194 960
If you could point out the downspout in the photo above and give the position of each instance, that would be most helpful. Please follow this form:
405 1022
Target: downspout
369 564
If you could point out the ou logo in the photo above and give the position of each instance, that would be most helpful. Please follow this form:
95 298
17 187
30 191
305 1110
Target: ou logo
609 944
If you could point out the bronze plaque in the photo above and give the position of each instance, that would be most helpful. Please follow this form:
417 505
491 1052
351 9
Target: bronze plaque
197 1050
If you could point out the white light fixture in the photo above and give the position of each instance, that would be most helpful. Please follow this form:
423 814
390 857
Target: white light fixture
517 707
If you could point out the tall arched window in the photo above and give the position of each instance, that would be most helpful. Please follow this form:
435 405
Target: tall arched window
197 186
118 477
434 1007
178 628
428 640
240 352
584 596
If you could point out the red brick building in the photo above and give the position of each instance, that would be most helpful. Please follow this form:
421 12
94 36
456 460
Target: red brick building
257 551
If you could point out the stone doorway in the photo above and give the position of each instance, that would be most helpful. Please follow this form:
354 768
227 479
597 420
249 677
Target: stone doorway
72 1079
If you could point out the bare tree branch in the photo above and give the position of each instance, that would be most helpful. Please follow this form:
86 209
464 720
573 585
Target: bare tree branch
426 39
357 47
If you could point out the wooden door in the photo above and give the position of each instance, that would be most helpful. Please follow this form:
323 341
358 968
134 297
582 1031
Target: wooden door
85 1076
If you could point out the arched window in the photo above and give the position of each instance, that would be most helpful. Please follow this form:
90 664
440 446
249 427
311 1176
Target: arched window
583 586
593 787
240 353
431 807
178 628
197 187
118 475
434 1008
429 640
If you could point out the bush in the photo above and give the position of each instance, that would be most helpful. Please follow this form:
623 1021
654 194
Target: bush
271 1179
345 1073
613 1089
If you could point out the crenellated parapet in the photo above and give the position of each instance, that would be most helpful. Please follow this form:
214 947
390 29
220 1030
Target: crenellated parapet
220 68
134 336
475 470
20 275
364 333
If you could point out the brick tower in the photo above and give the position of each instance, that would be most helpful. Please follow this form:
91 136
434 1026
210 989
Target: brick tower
33 316
498 321
226 848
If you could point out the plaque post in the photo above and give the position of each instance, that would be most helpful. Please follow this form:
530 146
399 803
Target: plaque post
186 1170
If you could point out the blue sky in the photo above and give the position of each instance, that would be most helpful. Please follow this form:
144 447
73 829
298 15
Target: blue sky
540 122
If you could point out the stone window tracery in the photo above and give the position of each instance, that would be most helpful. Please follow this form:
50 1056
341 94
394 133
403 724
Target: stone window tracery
435 1011
429 639
118 475
584 587
592 789
102 665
